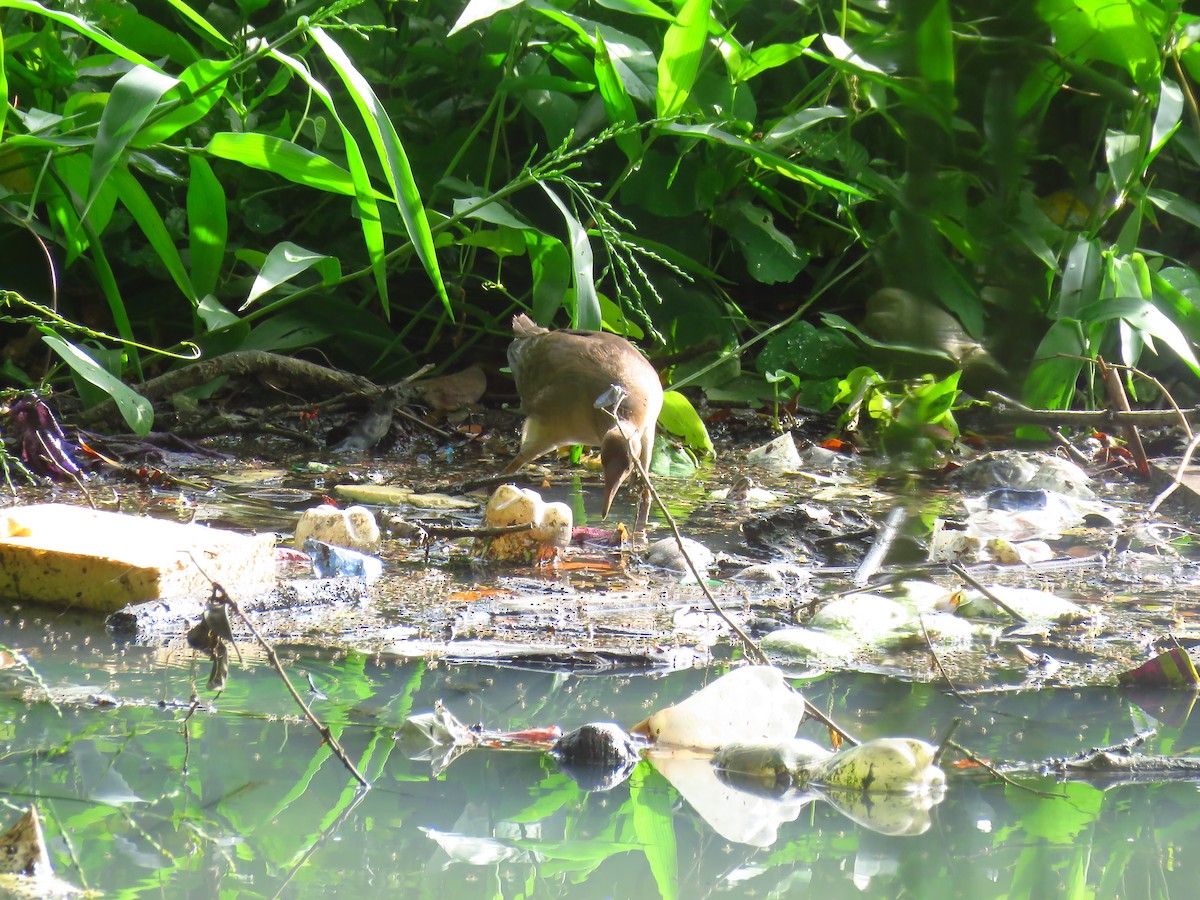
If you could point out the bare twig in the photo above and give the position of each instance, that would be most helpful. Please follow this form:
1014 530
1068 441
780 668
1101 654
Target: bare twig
221 596
969 579
751 648
1118 398
1176 480
941 669
998 774
944 744
884 539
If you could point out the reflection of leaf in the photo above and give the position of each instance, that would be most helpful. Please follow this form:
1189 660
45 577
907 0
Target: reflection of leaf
653 823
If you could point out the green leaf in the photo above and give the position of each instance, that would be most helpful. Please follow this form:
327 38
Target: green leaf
478 10
679 417
1122 153
1114 31
770 57
287 260
201 24
3 89
142 33
205 73
133 96
679 62
550 264
135 199
765 158
617 322
654 828
637 8
282 158
771 256
806 350
587 305
671 460
391 154
933 40
85 28
617 102
1145 318
844 53
208 225
1051 380
496 213
789 126
1166 118
214 315
502 241
364 194
134 408
1081 278
1175 205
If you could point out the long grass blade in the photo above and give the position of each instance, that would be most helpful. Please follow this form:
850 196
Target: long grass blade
394 159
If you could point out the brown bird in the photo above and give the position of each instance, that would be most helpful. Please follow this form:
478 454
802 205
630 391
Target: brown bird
560 377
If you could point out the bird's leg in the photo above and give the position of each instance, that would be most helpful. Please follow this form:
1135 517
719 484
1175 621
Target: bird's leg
643 513
610 401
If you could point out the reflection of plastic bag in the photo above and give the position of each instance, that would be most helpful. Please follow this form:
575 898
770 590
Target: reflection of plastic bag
751 703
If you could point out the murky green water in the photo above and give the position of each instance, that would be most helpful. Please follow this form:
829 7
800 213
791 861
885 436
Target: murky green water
238 798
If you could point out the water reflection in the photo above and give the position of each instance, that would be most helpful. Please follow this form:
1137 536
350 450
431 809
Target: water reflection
240 797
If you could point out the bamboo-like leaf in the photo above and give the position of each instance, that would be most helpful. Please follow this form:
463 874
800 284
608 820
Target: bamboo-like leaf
679 62
758 61
1180 207
201 24
933 40
587 304
652 800
204 72
1122 152
617 102
844 53
550 264
1080 279
1057 364
135 199
135 409
133 96
637 8
1166 118
766 159
364 194
1144 317
478 10
287 260
282 158
394 159
3 88
88 30
208 225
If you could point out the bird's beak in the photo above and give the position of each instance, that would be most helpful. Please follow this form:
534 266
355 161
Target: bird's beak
614 455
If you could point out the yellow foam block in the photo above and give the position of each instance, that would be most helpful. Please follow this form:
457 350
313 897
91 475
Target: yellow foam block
53 553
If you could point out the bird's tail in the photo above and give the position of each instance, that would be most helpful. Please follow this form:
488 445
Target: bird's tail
523 326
